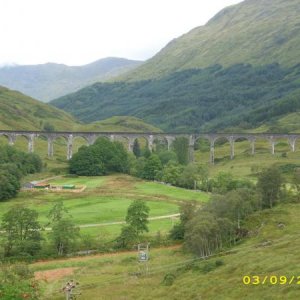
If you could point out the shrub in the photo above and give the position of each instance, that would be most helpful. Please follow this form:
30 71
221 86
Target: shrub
168 279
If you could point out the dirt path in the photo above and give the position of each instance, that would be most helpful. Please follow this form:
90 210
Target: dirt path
53 275
122 222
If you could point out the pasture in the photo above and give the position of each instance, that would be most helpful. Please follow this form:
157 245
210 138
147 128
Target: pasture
105 201
120 276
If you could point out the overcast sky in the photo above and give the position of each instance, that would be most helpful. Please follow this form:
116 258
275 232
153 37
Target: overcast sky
76 32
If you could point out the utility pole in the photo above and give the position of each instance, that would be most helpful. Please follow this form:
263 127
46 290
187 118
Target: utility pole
143 257
68 289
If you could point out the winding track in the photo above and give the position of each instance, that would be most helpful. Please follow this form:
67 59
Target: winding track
121 222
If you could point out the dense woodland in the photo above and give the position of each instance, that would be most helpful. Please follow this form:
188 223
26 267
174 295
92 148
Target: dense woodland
210 99
14 165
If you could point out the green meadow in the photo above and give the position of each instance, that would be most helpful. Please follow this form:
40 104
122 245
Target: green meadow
105 200
120 276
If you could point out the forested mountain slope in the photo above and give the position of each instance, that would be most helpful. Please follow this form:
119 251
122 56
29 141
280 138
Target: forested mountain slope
210 99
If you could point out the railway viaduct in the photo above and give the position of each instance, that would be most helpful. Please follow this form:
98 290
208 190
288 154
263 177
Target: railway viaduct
90 138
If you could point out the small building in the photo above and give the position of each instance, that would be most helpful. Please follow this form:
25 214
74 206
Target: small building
28 185
68 187
42 185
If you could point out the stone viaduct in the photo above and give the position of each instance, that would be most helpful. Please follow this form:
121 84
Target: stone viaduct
91 137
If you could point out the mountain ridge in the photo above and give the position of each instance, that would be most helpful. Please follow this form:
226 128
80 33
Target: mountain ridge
257 32
51 80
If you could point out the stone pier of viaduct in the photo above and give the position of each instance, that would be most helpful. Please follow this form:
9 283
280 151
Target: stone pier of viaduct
90 138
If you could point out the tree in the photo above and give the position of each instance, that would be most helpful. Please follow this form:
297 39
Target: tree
189 176
64 235
223 183
13 165
119 161
32 163
146 152
85 163
127 238
21 231
136 149
269 184
64 232
137 216
137 220
203 174
12 169
181 148
138 166
235 205
57 212
202 234
167 156
48 127
100 158
171 173
9 185
187 212
219 221
152 167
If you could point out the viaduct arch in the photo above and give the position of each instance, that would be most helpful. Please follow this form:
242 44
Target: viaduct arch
91 137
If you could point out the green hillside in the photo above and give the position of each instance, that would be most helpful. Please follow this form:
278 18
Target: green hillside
288 123
240 97
48 81
20 112
119 124
270 251
255 31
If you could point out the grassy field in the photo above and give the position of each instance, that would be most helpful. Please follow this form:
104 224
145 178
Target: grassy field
114 276
244 164
106 200
152 188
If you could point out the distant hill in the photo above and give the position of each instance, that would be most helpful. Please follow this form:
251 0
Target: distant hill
255 31
21 112
48 81
240 97
120 124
